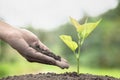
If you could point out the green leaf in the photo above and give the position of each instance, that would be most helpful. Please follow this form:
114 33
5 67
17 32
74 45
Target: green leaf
89 27
68 41
76 24
85 29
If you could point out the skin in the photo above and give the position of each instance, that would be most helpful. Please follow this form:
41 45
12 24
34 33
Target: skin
24 42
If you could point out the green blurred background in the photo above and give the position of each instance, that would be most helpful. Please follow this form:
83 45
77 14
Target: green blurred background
100 53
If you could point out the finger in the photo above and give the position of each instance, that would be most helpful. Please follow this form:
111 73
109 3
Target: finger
62 64
40 47
30 59
44 47
41 58
64 60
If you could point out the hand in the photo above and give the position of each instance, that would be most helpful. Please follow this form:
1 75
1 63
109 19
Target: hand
25 42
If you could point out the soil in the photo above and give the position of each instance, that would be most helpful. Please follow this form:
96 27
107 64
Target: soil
54 76
48 53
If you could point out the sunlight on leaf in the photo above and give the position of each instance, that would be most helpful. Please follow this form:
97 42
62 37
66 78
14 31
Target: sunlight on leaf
85 29
68 41
89 27
78 27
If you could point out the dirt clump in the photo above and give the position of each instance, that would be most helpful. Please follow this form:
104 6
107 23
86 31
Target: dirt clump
46 52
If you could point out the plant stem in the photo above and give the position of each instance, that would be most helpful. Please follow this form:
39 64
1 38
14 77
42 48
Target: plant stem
78 65
78 58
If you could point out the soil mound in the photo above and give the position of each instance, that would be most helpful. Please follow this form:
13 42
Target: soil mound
54 76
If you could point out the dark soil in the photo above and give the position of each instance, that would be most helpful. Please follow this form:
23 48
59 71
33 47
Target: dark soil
54 76
48 53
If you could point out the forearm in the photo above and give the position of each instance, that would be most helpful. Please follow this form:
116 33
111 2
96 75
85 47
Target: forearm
3 29
6 31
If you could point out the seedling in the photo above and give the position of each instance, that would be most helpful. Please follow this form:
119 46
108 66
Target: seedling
82 31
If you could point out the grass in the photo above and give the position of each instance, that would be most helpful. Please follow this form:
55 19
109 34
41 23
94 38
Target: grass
25 67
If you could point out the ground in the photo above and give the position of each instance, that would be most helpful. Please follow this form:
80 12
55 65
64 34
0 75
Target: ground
54 76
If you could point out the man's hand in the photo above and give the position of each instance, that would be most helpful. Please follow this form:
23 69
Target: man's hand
25 42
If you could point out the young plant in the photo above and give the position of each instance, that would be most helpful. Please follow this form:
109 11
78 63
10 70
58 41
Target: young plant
83 31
